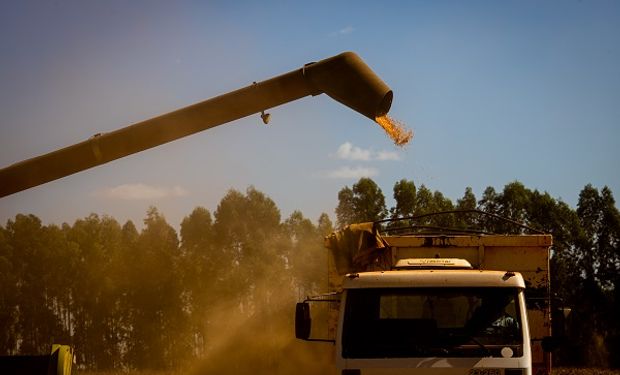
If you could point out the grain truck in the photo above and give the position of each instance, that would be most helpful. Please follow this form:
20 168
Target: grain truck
429 301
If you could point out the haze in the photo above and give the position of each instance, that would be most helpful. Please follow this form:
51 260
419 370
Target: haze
494 91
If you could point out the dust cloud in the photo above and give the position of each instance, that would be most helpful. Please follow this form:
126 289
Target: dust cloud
263 342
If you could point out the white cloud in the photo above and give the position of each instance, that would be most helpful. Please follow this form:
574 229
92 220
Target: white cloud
141 192
347 30
344 31
387 155
348 151
352 173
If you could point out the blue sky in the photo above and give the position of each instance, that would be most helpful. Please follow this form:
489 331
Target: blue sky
494 92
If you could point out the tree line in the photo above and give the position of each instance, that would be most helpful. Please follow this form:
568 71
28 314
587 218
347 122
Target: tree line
125 298
225 285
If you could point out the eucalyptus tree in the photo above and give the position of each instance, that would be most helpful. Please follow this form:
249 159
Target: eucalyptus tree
361 203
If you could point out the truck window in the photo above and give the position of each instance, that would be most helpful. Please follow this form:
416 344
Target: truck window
421 322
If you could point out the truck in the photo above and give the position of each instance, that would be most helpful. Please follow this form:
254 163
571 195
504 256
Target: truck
421 300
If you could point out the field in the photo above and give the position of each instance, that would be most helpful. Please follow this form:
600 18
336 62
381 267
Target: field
584 371
556 371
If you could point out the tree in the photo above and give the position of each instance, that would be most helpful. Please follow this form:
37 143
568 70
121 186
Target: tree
248 230
364 202
345 211
325 226
467 202
369 200
488 203
8 296
594 279
201 267
97 290
307 257
424 204
514 203
197 231
424 201
443 204
405 198
157 319
600 221
258 284
31 259
127 299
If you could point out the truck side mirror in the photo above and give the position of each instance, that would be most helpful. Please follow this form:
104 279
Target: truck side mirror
303 322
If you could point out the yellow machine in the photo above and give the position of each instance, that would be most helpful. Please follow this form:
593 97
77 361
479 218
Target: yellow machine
58 362
344 77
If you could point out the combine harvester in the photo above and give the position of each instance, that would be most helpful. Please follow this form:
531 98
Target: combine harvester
411 299
59 362
345 78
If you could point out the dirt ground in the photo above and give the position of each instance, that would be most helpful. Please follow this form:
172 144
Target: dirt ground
556 371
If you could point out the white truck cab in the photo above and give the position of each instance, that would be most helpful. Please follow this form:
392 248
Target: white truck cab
433 319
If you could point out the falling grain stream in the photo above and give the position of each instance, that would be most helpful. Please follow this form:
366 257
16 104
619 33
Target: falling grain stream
396 130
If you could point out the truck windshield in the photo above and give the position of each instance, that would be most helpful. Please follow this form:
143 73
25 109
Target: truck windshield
438 322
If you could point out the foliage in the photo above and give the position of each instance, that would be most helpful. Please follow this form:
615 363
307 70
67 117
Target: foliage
224 286
363 202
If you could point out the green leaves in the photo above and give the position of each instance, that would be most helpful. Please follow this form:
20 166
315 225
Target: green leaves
149 298
364 202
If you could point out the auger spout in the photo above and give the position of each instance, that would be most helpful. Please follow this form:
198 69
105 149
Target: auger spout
344 77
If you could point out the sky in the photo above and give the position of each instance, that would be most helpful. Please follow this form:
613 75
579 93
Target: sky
494 91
